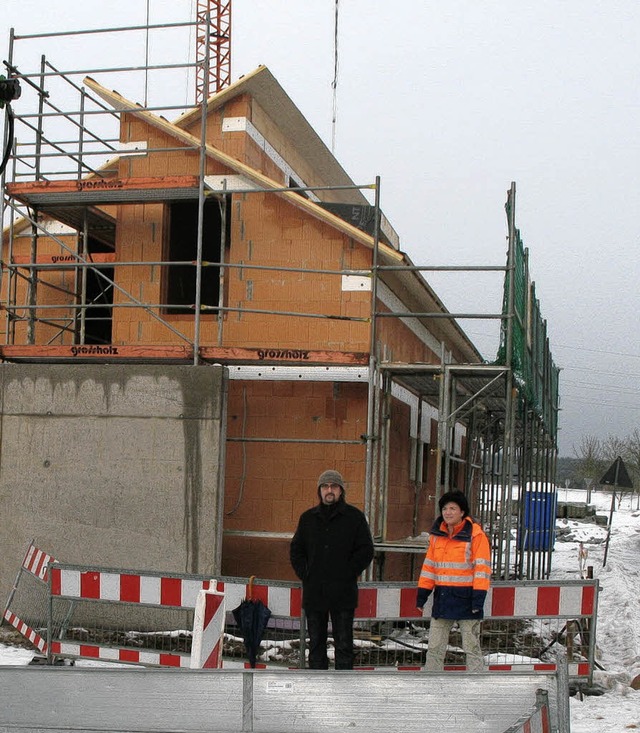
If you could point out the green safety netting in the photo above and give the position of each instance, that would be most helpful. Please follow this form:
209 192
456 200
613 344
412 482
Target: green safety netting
536 375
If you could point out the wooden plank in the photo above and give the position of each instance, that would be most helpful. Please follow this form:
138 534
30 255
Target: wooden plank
67 259
94 352
23 191
114 352
283 356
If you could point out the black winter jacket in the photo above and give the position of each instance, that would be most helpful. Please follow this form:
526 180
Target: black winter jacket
331 547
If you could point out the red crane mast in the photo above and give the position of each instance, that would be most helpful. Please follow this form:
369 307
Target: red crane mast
213 47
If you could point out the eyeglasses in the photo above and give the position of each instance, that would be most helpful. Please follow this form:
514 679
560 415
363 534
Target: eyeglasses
330 486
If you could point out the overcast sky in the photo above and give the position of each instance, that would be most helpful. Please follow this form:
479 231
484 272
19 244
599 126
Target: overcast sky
448 102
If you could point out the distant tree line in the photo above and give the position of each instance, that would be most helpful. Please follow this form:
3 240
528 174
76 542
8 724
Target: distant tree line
593 456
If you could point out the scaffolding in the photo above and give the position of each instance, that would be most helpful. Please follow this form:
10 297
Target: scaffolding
66 156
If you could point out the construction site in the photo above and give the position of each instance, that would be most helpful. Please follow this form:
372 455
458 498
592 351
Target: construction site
201 315
201 311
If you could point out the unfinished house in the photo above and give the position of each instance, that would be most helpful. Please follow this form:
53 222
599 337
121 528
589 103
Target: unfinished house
200 316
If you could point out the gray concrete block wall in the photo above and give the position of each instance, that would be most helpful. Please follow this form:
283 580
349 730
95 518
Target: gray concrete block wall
115 465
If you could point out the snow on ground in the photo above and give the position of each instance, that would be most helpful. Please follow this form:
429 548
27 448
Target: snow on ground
581 543
618 620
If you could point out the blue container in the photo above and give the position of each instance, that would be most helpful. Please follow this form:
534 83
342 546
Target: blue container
540 519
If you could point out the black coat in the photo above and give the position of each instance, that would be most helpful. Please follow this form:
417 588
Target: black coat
331 547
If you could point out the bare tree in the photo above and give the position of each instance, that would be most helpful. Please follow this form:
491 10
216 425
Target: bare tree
591 456
613 446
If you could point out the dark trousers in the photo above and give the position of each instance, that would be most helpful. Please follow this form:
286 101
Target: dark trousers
342 629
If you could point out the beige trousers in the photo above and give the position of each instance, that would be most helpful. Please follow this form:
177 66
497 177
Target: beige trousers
439 630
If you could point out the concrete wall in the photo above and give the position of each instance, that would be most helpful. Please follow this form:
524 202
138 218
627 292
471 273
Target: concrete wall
115 465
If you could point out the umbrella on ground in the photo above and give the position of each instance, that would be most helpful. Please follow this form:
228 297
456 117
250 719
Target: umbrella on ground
252 617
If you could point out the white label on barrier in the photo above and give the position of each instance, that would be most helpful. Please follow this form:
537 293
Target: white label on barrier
273 686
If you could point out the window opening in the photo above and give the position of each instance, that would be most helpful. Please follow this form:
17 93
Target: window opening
182 246
99 296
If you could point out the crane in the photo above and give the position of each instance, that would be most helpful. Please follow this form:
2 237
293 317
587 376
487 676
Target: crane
213 47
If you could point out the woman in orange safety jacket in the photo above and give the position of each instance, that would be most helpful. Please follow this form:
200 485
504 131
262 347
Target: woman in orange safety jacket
457 568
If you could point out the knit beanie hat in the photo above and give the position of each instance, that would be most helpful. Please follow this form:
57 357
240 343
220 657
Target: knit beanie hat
457 497
331 477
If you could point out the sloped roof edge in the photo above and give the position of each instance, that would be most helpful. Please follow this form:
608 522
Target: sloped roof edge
117 101
267 91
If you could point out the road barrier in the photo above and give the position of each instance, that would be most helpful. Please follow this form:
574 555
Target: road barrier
147 618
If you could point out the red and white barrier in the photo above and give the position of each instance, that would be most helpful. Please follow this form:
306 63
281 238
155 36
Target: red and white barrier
528 599
208 630
577 669
31 634
36 562
126 656
100 585
376 601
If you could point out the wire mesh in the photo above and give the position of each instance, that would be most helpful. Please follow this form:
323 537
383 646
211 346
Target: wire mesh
30 602
122 625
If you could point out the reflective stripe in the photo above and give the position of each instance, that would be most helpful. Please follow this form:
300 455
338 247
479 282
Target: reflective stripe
454 565
453 580
426 574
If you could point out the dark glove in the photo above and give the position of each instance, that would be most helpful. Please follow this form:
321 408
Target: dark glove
477 601
422 596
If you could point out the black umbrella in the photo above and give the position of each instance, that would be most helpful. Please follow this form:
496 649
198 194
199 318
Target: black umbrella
252 617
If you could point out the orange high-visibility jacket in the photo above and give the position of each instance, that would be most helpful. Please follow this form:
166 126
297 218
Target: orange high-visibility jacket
458 569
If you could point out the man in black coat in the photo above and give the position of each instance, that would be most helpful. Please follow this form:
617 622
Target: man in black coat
331 547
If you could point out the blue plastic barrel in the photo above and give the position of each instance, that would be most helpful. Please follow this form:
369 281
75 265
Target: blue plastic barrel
540 519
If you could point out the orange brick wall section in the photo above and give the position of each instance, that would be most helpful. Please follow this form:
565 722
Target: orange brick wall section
54 287
264 558
269 484
265 230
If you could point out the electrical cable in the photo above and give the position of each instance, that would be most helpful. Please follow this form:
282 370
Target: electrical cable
334 84
7 151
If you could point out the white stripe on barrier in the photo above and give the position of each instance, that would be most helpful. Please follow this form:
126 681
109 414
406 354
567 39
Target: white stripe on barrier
190 592
571 602
70 583
526 602
388 602
234 593
208 630
110 586
279 601
150 590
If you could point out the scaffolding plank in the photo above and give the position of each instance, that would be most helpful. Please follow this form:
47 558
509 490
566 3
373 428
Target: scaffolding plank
63 260
103 190
115 352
